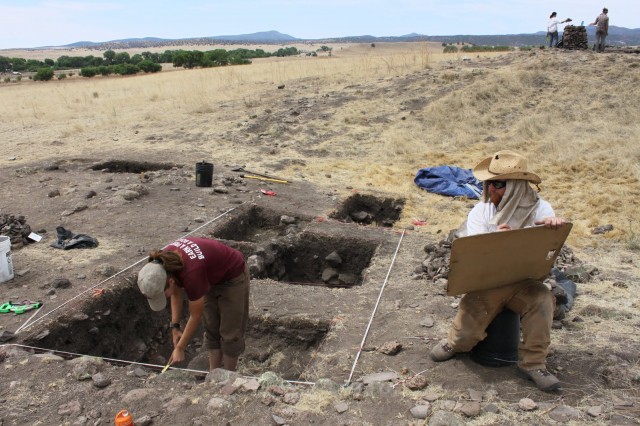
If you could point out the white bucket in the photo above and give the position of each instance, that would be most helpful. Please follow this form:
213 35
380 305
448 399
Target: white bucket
6 265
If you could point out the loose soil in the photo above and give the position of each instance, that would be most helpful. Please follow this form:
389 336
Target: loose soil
301 329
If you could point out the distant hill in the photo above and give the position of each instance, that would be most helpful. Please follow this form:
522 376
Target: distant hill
617 36
272 36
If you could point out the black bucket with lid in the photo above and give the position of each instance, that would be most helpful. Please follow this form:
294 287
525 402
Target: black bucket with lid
500 347
204 174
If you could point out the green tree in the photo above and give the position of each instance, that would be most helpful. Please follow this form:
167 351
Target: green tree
149 66
136 59
109 56
43 74
49 62
88 72
122 58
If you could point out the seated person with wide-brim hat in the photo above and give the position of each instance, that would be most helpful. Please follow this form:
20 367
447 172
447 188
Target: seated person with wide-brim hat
509 202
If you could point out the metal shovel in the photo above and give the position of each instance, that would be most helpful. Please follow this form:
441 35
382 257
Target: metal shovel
242 169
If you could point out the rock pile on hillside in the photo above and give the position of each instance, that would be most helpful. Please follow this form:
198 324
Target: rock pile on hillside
575 37
16 228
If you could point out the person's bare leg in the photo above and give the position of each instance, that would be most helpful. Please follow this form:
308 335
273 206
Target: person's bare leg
230 362
215 359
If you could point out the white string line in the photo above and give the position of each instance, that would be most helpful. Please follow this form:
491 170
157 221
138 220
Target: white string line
76 355
375 308
28 323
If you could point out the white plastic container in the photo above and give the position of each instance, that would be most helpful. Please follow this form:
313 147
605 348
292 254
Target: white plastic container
6 265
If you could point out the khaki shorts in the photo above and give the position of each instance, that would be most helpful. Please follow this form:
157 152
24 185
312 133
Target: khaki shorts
226 311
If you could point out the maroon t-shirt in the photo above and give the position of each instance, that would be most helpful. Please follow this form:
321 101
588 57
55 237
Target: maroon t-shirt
206 262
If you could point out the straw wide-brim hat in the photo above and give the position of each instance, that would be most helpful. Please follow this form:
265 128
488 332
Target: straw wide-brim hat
505 165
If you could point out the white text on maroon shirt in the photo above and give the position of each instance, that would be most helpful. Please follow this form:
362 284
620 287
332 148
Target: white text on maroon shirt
189 247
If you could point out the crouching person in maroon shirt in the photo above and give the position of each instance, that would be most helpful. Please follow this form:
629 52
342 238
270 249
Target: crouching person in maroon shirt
215 279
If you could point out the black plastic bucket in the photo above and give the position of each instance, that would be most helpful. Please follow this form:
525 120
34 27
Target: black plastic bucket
500 347
204 174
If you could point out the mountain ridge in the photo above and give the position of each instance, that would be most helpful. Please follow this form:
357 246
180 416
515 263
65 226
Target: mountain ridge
617 36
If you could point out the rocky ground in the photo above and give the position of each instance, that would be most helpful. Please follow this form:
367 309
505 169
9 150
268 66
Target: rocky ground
321 258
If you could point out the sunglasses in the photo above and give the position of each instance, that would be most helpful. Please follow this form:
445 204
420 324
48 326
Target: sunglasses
498 184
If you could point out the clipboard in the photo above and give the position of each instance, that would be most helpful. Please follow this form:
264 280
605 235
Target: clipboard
486 261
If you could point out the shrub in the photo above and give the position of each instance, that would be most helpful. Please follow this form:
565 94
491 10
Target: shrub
105 70
43 74
61 76
88 71
149 66
126 69
450 49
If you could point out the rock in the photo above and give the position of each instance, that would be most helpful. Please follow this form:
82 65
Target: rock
444 418
357 391
90 194
176 404
602 229
430 397
291 398
287 220
143 421
100 380
527 404
60 283
420 411
347 279
251 386
127 194
228 390
475 395
216 404
139 394
595 411
6 335
470 409
491 408
361 217
334 260
54 193
386 376
329 274
390 348
277 419
417 383
427 322
448 405
341 407
256 265
48 358
565 413
85 367
106 270
220 190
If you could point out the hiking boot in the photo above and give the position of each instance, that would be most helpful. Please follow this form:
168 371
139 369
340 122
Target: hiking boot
544 380
442 351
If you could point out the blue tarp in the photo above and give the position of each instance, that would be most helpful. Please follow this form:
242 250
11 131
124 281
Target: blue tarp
451 181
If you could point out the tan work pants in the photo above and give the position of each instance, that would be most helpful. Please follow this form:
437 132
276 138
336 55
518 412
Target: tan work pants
225 315
531 299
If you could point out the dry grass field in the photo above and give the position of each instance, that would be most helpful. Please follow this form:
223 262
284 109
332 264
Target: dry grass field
574 114
367 119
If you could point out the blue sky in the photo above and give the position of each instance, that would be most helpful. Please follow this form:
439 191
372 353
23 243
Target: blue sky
34 23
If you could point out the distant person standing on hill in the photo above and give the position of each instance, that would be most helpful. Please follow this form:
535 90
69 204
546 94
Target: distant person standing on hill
552 29
602 29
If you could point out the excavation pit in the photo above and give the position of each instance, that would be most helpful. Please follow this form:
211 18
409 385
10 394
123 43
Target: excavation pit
119 325
313 259
257 225
367 210
118 166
